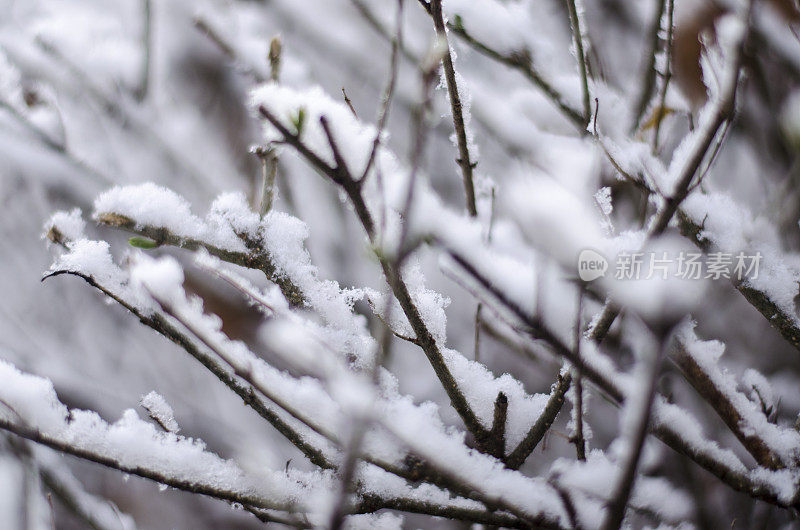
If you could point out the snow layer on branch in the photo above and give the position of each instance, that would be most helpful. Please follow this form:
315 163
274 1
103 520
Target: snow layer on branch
481 387
158 409
229 220
68 224
785 443
371 521
155 206
283 237
731 228
132 442
93 259
681 421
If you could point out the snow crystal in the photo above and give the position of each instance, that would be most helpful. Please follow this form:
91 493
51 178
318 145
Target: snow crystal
158 409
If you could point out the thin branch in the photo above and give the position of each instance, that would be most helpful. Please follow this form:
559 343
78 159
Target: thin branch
577 438
522 62
479 309
349 103
497 435
269 171
578 40
630 463
388 94
662 99
160 324
274 59
456 109
650 73
371 503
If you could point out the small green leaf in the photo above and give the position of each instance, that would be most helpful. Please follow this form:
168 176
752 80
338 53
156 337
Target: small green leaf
142 242
298 120
458 23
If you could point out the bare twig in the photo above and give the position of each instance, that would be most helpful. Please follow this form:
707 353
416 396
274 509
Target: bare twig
269 171
650 73
388 94
497 435
349 103
274 58
523 63
542 424
456 109
578 40
577 438
662 98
